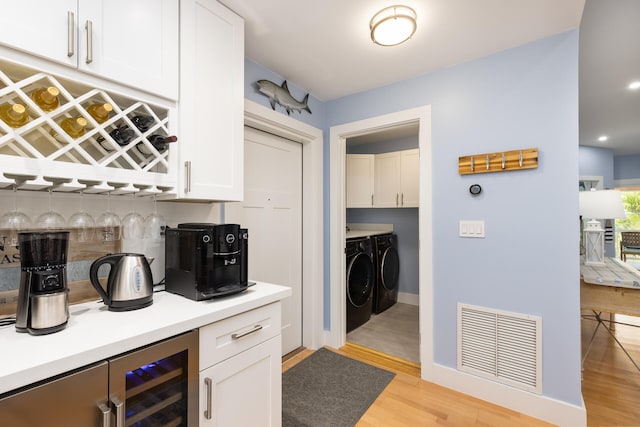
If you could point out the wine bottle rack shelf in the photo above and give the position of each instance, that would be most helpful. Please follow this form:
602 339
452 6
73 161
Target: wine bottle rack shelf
41 155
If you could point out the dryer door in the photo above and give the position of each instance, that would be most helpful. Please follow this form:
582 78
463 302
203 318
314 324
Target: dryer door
359 280
390 268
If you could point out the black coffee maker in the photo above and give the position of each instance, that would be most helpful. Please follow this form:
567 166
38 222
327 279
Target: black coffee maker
204 261
43 305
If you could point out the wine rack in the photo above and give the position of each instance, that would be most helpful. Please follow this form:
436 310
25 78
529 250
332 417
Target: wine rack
40 154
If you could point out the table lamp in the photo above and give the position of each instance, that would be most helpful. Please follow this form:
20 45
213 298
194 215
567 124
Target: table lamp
596 205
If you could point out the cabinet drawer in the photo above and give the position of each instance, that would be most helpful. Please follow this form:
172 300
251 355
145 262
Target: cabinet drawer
223 339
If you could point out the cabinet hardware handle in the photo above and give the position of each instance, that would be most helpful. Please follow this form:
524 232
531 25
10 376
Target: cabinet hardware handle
89 27
244 334
396 199
119 407
105 413
372 200
401 199
187 176
71 39
207 411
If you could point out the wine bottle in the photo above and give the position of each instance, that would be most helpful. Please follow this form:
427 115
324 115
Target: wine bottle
74 126
122 135
100 112
143 123
46 98
159 142
15 115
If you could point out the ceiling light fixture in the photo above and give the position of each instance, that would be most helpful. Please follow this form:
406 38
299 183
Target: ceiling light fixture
603 138
634 85
393 25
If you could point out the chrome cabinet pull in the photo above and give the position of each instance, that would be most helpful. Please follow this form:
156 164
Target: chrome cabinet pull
207 411
244 334
396 199
119 407
372 200
187 176
401 199
105 415
71 38
89 27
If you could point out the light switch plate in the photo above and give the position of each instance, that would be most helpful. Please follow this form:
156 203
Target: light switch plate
468 228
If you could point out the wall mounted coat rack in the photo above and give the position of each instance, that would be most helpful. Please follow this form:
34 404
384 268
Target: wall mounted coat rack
526 158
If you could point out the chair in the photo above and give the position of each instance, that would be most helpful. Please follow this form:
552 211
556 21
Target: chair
629 244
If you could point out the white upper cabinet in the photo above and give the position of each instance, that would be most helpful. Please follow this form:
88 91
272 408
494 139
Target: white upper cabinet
360 180
211 105
397 177
387 180
44 28
134 43
410 178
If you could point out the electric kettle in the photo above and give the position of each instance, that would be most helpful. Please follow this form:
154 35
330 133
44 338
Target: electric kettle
129 285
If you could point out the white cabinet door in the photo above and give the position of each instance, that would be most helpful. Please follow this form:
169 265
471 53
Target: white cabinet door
211 105
131 42
409 178
244 390
387 180
360 184
134 43
43 28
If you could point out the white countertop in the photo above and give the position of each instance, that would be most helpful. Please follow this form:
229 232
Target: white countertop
94 333
356 229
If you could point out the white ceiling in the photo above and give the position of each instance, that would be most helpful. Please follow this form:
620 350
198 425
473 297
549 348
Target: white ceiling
609 61
324 46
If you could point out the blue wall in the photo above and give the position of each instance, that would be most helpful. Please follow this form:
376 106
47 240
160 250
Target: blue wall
595 161
626 167
528 262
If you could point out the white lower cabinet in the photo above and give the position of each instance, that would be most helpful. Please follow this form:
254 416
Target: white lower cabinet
244 390
240 370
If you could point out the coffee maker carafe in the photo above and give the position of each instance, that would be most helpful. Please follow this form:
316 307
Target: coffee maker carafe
43 305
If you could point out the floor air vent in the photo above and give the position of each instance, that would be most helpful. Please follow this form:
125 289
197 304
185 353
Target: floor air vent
501 346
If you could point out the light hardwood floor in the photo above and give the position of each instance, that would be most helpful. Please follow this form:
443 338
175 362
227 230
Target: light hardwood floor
610 388
410 401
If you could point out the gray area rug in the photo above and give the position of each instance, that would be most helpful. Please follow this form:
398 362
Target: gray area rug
327 389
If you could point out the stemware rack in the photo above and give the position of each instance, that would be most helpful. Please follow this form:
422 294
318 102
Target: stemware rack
41 155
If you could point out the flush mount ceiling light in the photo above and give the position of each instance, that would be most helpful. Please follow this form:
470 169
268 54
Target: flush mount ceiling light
393 25
603 138
634 85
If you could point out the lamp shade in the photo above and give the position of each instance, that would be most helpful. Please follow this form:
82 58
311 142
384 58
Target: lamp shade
601 204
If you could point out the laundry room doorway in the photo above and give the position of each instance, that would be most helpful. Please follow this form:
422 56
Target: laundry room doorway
382 206
339 135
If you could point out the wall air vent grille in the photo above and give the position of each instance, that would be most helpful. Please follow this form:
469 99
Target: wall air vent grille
501 346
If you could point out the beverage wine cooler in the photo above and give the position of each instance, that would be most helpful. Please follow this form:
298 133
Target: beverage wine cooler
153 386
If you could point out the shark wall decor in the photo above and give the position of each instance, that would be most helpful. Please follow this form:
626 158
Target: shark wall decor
281 95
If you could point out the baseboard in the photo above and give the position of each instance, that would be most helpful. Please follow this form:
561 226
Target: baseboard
537 406
407 298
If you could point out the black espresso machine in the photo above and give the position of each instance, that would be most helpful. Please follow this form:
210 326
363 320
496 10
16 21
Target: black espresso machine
204 261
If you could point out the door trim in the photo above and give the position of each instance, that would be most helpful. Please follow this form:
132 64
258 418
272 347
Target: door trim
336 336
267 120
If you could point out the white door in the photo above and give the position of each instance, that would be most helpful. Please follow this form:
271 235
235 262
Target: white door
272 213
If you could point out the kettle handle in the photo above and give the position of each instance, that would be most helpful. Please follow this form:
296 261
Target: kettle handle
111 259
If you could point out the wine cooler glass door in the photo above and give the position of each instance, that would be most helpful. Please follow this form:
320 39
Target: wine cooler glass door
157 386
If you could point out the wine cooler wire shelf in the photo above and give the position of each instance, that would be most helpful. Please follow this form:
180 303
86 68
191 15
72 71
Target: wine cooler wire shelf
156 394
43 144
